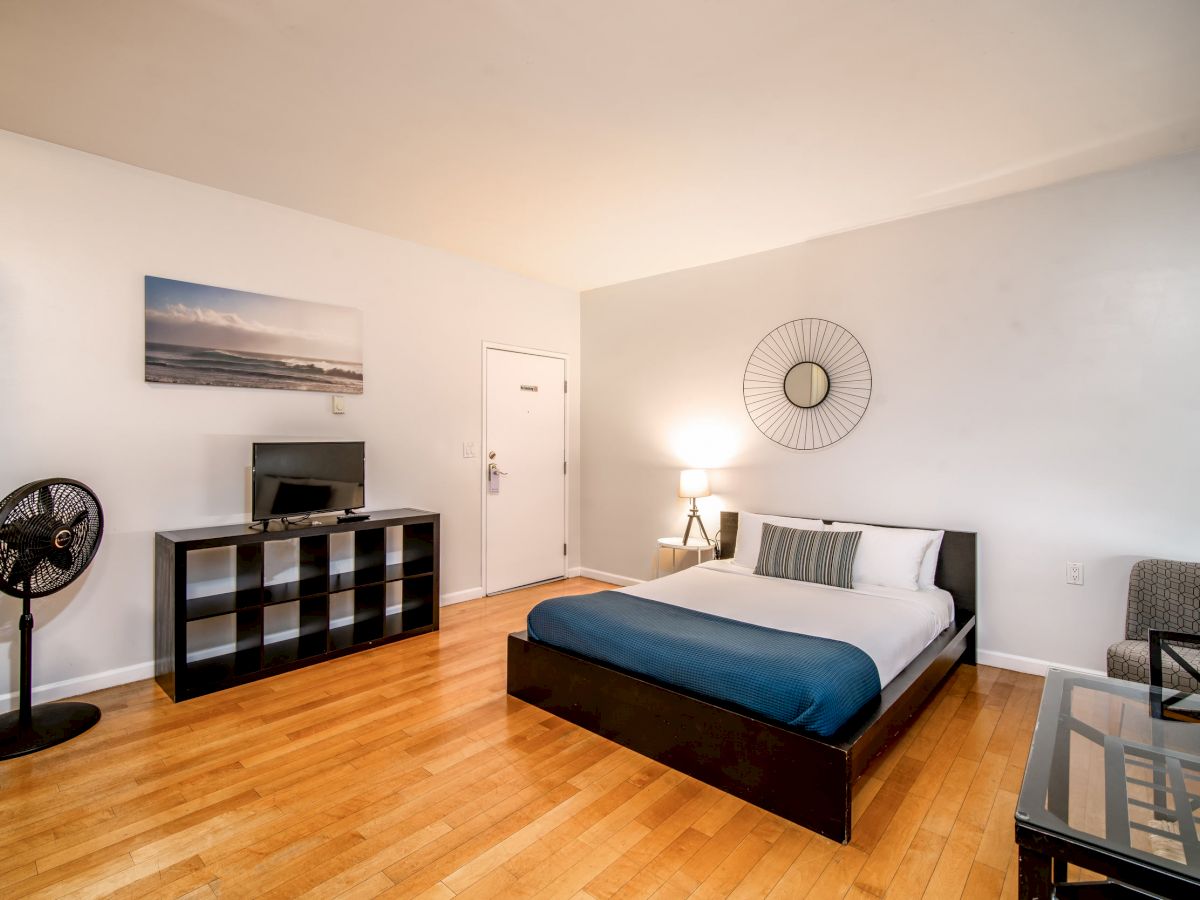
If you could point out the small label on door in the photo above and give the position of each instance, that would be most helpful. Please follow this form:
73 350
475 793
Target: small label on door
529 387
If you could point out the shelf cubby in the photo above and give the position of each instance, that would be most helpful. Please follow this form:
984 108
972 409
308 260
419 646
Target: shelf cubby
277 606
417 604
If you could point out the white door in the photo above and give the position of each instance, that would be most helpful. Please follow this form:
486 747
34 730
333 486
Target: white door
525 440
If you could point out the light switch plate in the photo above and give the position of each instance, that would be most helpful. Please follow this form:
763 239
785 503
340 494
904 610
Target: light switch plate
468 449
339 405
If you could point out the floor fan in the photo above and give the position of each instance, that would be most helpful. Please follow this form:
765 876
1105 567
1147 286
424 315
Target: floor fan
49 532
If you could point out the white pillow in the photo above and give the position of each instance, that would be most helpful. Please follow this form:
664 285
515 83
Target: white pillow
889 557
929 563
749 534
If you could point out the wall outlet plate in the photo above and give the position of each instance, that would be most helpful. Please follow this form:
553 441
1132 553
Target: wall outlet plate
1074 573
468 449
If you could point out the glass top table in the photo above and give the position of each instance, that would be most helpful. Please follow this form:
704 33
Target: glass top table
1110 787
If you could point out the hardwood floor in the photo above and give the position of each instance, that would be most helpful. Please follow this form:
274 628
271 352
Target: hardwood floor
407 771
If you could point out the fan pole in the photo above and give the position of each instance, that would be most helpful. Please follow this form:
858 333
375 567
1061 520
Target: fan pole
26 627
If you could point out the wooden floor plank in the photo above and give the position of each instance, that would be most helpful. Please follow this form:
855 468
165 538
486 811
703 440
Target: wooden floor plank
916 868
407 771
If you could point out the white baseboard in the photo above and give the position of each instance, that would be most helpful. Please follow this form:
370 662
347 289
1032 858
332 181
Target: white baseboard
1026 664
597 575
461 596
574 572
85 684
82 684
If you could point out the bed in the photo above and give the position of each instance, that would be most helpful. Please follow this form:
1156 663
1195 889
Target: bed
802 767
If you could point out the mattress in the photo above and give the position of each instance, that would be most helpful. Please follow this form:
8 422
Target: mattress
891 625
812 683
805 655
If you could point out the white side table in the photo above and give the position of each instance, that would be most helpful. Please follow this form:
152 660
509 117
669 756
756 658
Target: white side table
676 545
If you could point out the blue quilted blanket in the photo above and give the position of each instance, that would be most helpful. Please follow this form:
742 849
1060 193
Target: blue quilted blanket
806 682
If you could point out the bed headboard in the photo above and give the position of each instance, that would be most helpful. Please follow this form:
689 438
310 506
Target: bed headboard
956 568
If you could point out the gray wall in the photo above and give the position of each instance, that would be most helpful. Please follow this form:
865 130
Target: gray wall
1036 371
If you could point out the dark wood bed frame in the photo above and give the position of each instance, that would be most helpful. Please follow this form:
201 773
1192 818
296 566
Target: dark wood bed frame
797 775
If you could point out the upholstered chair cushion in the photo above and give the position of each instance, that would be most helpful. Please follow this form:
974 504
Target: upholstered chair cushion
1130 660
1163 594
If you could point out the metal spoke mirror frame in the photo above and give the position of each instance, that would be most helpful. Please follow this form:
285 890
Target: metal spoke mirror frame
842 359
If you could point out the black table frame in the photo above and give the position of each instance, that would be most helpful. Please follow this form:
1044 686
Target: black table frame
1044 852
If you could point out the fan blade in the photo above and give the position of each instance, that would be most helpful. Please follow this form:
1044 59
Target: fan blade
45 500
78 520
61 558
23 569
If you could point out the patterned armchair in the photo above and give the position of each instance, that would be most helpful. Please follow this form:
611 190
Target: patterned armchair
1162 594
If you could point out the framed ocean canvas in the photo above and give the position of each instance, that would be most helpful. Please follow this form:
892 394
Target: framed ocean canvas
199 334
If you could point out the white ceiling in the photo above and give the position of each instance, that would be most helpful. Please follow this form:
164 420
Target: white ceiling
587 142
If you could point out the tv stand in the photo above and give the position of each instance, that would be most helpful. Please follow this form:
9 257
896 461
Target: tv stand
381 600
281 524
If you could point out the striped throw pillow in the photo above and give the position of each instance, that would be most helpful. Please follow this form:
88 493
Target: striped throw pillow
822 557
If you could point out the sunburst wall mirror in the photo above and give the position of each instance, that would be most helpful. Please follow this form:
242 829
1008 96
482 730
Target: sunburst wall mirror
807 384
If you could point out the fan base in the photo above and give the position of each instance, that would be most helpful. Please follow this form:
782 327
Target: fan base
52 724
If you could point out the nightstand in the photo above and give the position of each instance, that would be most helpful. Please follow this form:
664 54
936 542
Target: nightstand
676 545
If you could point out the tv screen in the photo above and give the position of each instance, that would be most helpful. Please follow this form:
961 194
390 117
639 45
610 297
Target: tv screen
298 479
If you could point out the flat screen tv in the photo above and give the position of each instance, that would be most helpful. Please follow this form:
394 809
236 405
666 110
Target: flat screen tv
299 479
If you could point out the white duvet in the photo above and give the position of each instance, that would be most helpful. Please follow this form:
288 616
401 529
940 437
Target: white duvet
891 625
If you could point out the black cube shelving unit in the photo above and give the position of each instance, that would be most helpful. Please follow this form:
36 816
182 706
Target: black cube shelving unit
180 602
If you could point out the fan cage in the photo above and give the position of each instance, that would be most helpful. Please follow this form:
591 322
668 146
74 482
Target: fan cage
49 533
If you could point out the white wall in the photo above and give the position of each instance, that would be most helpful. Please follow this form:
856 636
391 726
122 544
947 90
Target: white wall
77 235
1036 367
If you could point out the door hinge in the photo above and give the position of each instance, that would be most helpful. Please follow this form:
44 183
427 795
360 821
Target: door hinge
564 385
564 467
564 549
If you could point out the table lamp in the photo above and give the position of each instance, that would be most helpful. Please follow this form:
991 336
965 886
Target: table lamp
693 483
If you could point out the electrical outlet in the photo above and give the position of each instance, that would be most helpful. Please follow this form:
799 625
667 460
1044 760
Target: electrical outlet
1074 573
468 449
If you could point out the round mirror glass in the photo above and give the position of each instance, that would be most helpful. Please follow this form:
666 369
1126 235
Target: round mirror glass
806 384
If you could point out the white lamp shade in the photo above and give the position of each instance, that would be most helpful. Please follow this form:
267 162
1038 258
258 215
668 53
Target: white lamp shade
693 483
